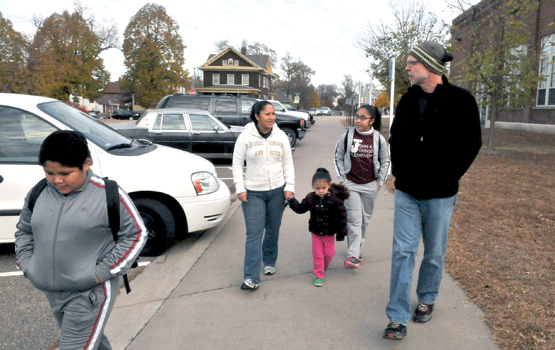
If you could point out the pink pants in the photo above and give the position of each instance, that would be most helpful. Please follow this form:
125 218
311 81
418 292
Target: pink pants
323 250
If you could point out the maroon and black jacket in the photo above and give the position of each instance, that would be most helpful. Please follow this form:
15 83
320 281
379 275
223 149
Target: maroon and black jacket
327 214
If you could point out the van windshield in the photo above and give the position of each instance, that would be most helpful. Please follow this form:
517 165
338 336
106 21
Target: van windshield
97 132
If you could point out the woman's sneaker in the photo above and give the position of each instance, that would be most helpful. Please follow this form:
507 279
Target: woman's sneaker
269 270
395 331
352 263
249 284
318 282
423 313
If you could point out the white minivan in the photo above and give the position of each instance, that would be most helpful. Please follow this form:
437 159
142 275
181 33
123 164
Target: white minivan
176 192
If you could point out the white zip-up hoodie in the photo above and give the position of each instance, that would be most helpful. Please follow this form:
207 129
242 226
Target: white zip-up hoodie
269 161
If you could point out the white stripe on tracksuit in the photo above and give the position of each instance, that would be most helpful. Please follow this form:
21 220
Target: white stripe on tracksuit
102 317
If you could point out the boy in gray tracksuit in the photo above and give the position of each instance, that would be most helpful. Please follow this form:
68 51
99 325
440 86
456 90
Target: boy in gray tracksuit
66 248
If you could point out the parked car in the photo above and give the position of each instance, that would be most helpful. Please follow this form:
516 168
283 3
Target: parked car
291 106
280 108
324 111
125 114
191 130
96 115
175 192
234 110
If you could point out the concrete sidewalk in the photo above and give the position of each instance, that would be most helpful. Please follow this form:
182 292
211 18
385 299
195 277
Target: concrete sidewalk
190 297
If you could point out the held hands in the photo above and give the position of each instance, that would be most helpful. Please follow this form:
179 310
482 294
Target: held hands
242 196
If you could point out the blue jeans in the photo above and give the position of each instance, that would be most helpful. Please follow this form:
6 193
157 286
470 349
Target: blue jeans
263 212
413 218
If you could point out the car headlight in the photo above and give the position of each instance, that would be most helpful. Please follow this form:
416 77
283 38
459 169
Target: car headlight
205 182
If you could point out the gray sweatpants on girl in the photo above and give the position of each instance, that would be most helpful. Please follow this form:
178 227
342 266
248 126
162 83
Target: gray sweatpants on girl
360 206
82 316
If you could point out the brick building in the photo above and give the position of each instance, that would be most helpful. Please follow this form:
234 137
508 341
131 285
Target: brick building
540 115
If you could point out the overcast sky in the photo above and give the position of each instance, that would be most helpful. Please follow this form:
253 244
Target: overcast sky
321 33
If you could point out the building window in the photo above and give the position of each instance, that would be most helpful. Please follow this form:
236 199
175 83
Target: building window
245 79
236 63
224 62
230 79
216 79
546 87
230 62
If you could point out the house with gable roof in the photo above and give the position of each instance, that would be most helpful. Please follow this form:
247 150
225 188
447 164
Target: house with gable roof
231 72
112 98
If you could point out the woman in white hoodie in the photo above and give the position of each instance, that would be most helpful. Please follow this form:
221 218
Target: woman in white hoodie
269 180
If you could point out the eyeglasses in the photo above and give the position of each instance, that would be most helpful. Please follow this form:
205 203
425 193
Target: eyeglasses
412 63
361 117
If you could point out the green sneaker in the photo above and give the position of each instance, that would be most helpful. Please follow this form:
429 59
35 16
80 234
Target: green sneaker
318 282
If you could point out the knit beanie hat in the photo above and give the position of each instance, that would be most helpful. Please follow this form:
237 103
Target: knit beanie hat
432 55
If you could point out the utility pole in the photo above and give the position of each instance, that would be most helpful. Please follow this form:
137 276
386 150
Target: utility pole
370 102
392 94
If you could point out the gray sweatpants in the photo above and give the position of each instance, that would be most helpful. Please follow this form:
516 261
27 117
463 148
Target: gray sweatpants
82 316
360 206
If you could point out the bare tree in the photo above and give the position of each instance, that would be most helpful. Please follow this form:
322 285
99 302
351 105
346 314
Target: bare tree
498 55
383 40
221 45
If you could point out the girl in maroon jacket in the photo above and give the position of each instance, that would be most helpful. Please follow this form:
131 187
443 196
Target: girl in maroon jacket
328 217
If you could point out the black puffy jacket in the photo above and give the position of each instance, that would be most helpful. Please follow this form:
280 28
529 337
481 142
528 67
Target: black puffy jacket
327 214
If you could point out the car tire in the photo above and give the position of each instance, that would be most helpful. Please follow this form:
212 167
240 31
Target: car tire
290 135
159 222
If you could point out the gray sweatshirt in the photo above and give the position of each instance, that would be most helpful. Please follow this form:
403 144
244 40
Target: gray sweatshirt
66 241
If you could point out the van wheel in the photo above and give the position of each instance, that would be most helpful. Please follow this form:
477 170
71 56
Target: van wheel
290 135
159 223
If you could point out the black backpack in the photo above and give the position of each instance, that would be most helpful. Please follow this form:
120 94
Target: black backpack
112 201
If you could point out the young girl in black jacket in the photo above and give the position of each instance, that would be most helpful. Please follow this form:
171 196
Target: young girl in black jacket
328 217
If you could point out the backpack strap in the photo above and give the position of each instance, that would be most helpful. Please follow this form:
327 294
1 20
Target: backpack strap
112 201
112 204
35 193
346 138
